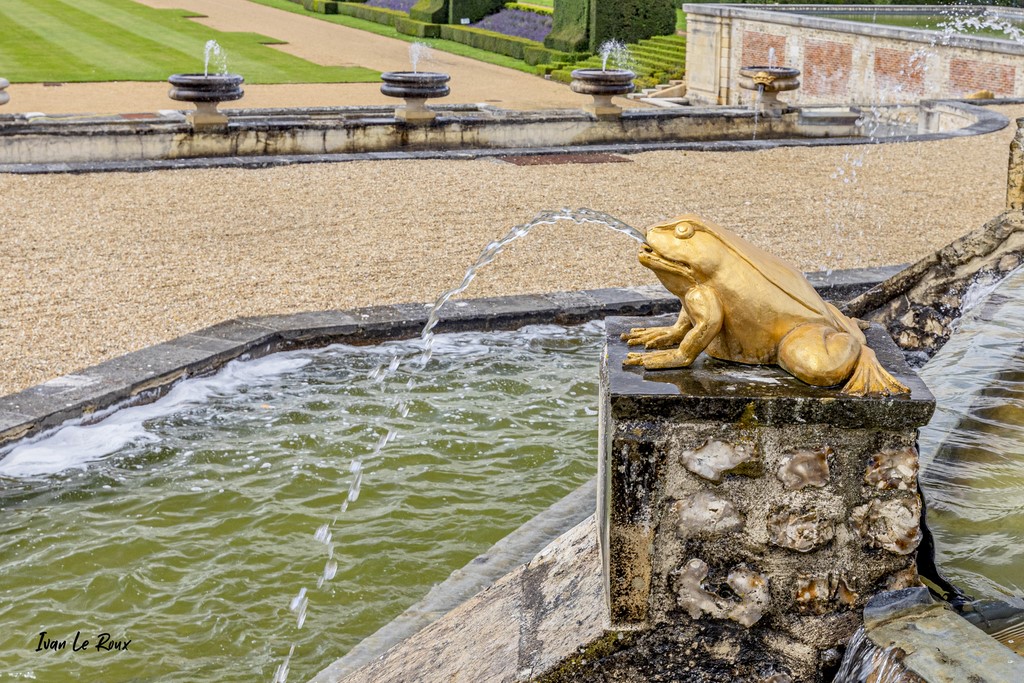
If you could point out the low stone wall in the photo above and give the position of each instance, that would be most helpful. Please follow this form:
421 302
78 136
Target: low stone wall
319 134
842 61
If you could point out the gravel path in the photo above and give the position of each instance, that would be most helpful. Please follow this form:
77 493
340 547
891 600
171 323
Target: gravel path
99 265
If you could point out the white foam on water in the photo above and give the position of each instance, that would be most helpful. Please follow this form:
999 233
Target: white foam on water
75 446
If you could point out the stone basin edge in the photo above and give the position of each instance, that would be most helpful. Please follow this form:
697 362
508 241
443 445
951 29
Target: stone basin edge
145 375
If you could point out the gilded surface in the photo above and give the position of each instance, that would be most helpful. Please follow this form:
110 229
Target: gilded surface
744 305
763 78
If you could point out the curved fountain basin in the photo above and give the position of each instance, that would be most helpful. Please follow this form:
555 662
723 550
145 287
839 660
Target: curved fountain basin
86 506
316 134
206 87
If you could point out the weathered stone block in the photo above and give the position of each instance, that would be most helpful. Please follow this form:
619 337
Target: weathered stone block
739 499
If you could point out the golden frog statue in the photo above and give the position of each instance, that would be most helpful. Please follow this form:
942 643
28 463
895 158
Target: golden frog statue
744 305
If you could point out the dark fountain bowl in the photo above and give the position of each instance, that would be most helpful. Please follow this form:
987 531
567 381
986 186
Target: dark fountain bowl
206 88
602 82
414 84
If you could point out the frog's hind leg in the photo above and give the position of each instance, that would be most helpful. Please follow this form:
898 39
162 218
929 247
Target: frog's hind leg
819 354
869 377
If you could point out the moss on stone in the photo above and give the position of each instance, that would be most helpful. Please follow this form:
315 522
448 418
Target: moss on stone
571 668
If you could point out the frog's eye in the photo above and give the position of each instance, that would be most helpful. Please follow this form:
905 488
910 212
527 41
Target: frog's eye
684 230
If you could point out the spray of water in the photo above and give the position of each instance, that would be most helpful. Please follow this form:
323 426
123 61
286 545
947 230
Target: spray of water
215 53
418 52
616 53
417 359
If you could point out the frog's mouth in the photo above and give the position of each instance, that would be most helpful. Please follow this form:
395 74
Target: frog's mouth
655 261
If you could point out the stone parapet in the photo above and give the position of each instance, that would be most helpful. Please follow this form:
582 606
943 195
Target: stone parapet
741 510
844 61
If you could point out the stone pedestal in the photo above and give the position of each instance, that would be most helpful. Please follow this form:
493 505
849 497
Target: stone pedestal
745 517
1015 171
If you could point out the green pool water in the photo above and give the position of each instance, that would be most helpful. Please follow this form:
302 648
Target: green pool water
192 538
973 450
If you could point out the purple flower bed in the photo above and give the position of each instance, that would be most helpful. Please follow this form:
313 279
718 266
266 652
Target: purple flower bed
515 22
400 5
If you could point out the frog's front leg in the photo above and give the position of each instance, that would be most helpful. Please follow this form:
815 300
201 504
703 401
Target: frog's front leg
660 337
704 311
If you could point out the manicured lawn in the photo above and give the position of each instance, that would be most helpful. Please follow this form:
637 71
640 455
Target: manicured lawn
120 40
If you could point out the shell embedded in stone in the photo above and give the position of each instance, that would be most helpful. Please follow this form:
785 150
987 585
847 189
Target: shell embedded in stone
804 468
893 525
893 469
706 513
799 530
715 458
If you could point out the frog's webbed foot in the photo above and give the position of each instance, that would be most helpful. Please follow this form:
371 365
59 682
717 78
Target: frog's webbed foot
659 360
655 337
870 378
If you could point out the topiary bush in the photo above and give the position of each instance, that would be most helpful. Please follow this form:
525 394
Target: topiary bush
569 30
474 10
630 20
430 11
419 29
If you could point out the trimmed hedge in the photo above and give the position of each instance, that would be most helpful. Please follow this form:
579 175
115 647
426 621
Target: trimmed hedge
536 9
542 55
474 10
488 40
411 27
630 20
321 6
377 15
569 32
430 11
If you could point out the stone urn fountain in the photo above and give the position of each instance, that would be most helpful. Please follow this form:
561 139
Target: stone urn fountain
4 97
602 85
206 91
768 82
415 87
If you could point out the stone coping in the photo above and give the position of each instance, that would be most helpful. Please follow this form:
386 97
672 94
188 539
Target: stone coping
145 375
985 121
803 16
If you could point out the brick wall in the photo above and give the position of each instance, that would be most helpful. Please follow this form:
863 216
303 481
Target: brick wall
899 71
756 46
968 75
827 68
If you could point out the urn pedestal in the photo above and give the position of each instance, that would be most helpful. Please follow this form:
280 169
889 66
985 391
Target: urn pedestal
602 86
415 87
206 92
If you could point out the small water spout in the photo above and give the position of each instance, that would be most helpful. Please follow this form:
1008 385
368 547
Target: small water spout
418 52
299 605
616 52
220 59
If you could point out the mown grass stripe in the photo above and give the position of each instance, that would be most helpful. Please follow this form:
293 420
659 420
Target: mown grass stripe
29 47
111 40
101 43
